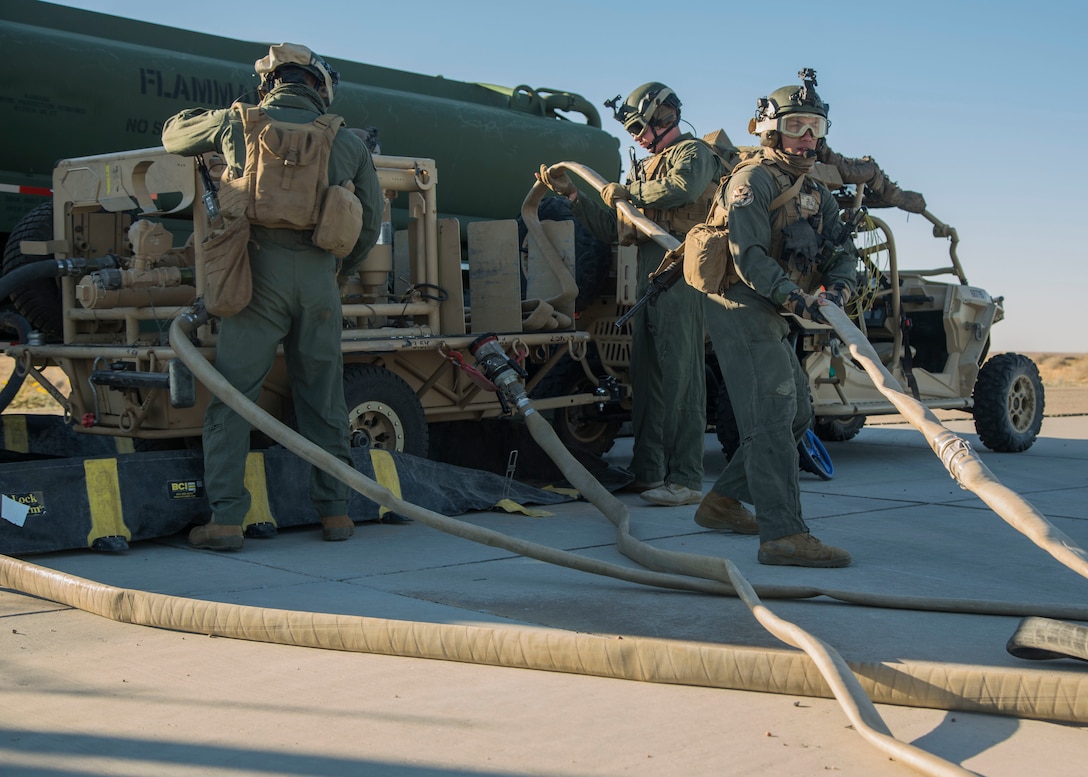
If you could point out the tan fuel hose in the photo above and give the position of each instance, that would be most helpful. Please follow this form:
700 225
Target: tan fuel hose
955 453
962 463
822 674
957 687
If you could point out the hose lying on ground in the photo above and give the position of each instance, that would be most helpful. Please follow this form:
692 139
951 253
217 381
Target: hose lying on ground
1052 696
652 660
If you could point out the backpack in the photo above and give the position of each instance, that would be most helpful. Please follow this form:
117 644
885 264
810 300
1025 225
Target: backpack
287 169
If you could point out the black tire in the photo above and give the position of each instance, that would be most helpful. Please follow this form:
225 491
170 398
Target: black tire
1009 403
582 427
383 411
593 257
11 388
16 324
39 302
813 457
838 429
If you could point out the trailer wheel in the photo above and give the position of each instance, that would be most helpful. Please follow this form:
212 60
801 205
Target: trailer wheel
582 427
838 429
39 301
17 325
1009 403
593 257
383 411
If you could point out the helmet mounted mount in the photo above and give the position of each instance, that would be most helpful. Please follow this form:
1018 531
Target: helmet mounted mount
788 100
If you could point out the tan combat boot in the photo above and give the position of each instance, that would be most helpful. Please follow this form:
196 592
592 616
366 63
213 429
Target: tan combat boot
672 495
802 550
216 536
718 511
336 527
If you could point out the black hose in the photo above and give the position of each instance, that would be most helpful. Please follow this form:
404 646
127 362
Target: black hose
56 268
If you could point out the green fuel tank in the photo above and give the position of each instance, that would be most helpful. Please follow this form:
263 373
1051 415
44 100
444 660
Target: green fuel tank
78 83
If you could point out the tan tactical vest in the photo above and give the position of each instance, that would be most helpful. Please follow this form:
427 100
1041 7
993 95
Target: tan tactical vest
792 204
287 165
680 219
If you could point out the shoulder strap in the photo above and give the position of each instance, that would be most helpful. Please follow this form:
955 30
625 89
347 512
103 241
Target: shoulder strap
788 195
329 121
249 114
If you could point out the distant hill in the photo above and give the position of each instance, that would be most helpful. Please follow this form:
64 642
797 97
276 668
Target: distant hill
1061 369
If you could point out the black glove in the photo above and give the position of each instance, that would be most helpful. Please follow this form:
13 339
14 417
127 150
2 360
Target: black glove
839 293
804 305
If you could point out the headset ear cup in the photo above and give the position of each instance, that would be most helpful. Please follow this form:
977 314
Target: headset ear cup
667 116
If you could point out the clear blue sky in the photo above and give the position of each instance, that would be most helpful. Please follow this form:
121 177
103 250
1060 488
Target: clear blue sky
971 103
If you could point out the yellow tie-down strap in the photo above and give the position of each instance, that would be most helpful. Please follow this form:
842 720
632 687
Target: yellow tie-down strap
256 482
510 506
104 500
385 473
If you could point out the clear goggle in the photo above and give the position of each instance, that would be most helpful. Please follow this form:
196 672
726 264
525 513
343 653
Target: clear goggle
794 125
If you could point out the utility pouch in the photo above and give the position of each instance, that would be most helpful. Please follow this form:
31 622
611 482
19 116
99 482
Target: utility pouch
340 221
801 245
708 262
228 282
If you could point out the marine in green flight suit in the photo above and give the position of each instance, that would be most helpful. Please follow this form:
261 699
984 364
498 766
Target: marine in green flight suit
673 187
296 300
779 220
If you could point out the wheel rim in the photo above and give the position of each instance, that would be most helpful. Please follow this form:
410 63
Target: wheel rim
1022 404
376 425
583 426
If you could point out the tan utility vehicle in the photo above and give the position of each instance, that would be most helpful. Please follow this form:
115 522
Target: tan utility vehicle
930 327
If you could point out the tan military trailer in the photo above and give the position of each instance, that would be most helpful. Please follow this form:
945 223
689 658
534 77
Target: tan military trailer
117 257
409 327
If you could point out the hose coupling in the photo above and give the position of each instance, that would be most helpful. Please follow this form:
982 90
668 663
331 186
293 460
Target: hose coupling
78 266
953 451
500 369
193 317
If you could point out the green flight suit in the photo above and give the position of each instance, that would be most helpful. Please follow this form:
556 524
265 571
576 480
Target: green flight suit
296 302
766 385
668 352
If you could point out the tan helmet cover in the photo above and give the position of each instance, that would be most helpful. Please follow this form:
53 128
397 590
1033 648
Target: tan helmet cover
281 54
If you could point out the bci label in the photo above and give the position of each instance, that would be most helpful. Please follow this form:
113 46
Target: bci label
185 489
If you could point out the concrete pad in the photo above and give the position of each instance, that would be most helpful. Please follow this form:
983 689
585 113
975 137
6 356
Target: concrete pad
85 695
